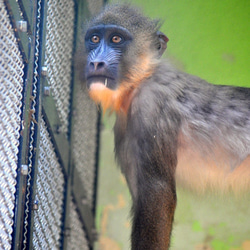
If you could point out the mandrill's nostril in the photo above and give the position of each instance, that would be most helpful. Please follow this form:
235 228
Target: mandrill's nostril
97 65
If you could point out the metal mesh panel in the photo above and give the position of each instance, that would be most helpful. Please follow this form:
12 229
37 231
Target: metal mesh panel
58 55
77 238
50 194
11 85
85 140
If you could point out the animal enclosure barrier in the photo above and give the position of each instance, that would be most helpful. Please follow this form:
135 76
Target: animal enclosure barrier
49 129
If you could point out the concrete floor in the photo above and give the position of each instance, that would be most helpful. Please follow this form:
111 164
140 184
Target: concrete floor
201 223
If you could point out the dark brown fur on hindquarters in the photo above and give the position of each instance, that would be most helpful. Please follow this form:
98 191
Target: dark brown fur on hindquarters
170 125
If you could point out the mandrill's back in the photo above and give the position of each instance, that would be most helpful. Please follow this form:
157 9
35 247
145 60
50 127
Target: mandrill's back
213 124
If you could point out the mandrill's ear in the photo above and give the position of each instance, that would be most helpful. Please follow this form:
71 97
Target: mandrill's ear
162 42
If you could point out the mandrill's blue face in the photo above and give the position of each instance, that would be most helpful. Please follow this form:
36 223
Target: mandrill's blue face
105 45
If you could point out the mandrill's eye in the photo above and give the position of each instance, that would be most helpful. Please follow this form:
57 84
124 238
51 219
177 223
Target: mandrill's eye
116 39
95 39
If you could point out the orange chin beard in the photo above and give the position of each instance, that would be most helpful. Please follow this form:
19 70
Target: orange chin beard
102 95
111 99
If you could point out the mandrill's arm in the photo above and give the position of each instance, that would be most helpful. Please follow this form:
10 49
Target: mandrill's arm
147 155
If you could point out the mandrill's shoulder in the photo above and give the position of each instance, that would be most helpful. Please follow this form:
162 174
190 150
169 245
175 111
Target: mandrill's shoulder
156 98
159 91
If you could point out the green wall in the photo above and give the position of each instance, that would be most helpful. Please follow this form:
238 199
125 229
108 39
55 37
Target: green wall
207 38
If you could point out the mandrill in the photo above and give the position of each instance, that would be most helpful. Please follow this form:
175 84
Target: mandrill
169 125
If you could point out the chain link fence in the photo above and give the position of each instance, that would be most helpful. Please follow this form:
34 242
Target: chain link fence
11 86
49 129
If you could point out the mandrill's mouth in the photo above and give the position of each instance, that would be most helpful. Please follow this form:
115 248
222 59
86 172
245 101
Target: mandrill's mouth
108 82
